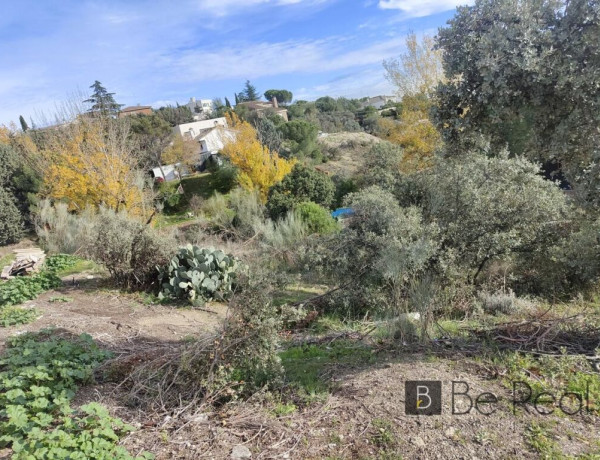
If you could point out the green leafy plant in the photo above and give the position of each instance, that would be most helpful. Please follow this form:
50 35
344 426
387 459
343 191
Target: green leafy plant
23 288
302 184
10 316
60 262
198 274
39 376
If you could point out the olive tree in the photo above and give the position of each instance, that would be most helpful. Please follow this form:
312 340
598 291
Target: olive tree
489 208
382 249
524 74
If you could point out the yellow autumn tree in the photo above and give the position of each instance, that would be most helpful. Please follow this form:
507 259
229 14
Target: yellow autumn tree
415 73
259 167
414 132
91 164
183 151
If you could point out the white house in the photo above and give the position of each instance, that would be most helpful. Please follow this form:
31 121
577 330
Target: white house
169 172
192 130
211 136
379 101
201 108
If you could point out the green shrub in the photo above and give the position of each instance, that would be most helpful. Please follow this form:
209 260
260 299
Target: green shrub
343 186
498 302
63 232
249 212
383 166
382 249
170 198
23 288
225 178
217 209
302 184
316 218
39 376
198 274
11 222
284 234
128 249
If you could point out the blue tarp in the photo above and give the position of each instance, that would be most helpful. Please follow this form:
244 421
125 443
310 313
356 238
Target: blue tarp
342 212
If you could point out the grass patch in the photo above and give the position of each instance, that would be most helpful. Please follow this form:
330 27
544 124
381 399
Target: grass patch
203 185
383 436
306 367
166 220
80 266
6 260
297 293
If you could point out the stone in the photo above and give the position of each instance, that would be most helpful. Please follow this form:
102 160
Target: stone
240 451
450 432
417 441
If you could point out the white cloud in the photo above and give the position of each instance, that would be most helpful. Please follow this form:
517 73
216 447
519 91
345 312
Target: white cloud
268 59
418 8
220 8
369 82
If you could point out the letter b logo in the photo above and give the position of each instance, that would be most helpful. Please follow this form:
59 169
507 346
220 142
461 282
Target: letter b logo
423 397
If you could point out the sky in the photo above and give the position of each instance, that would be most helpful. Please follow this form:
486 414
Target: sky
154 52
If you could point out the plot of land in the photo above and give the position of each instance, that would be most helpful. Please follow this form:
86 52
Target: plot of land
344 398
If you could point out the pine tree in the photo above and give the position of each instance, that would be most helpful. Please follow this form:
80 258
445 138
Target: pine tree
250 93
24 126
103 102
227 103
237 99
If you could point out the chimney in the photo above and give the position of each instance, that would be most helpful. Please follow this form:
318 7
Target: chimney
274 102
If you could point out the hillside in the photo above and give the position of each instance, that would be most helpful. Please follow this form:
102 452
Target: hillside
345 151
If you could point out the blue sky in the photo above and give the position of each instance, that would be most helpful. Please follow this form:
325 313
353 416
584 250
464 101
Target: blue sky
158 52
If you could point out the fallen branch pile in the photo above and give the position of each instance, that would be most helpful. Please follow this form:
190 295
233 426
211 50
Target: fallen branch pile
546 334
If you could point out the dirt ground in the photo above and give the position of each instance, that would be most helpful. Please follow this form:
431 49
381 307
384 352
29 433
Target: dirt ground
363 417
114 318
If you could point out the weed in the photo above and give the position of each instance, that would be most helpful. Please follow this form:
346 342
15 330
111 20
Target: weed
539 438
59 262
6 260
553 373
23 288
60 298
384 433
282 409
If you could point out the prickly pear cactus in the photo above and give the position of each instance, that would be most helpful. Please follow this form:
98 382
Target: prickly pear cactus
198 274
